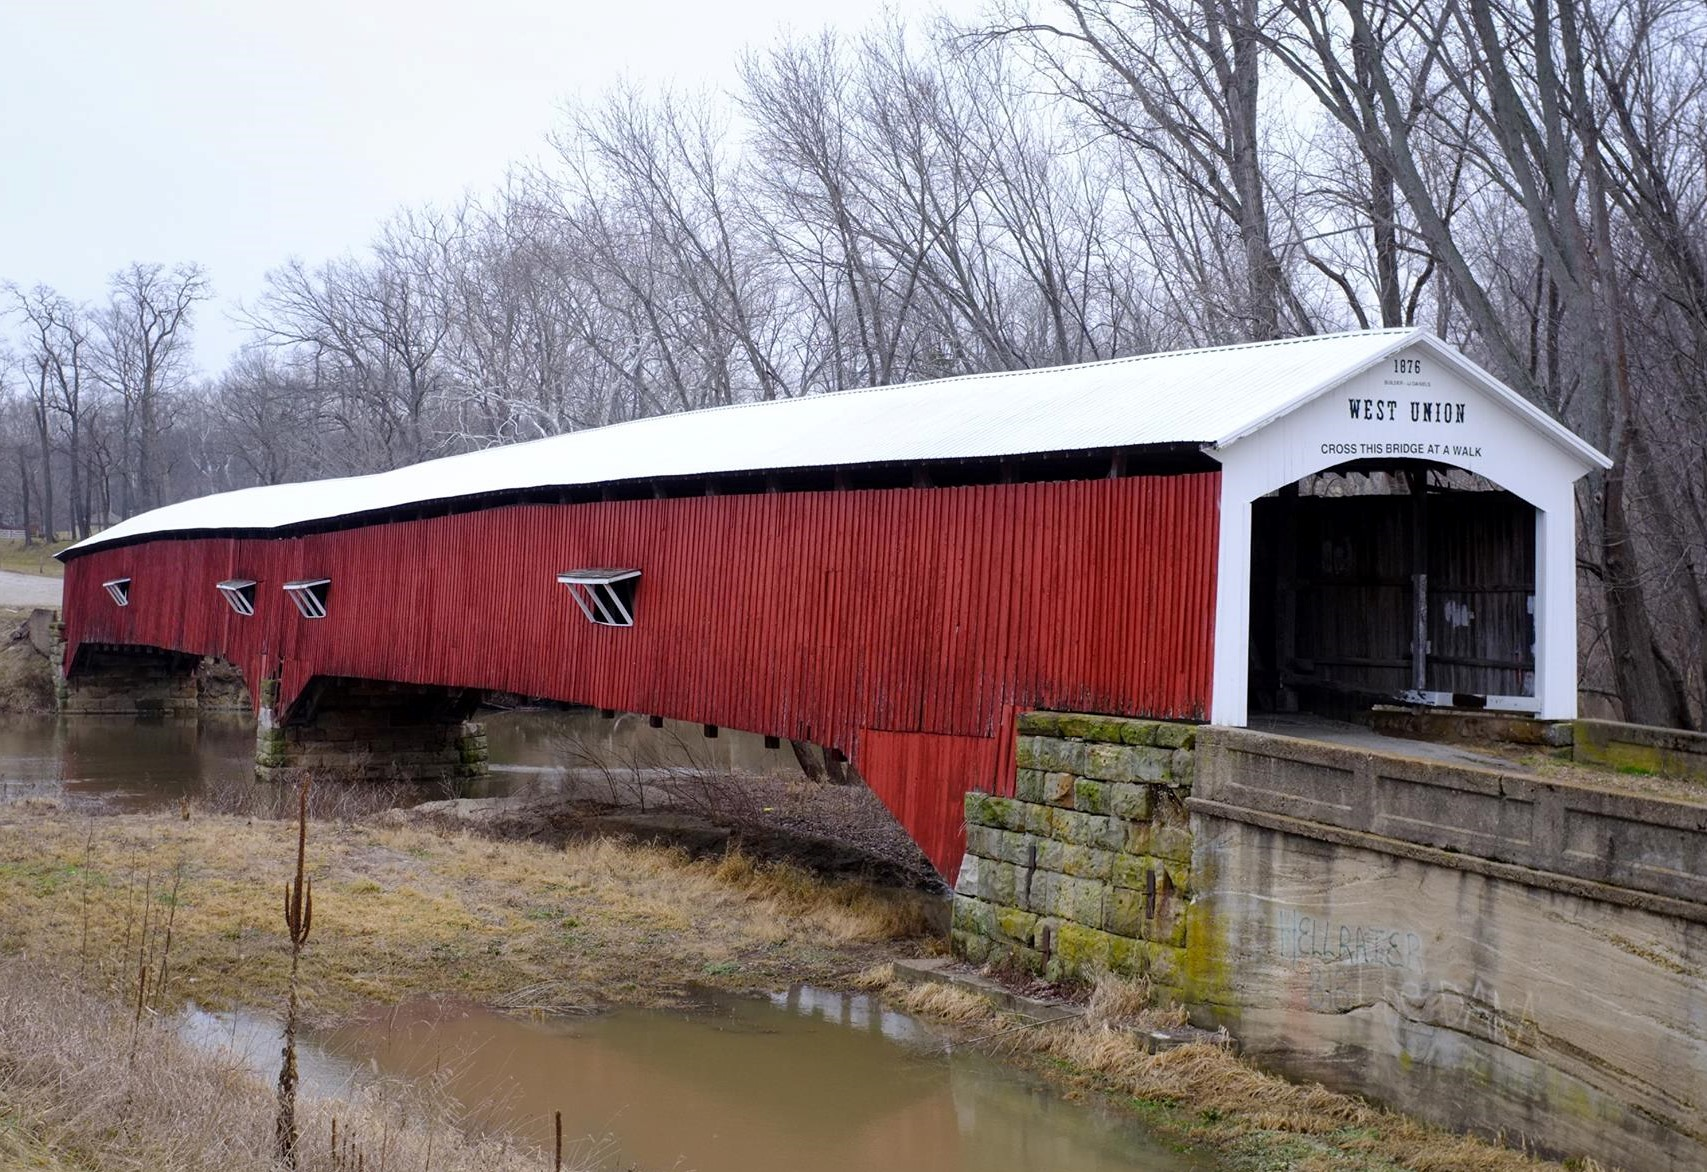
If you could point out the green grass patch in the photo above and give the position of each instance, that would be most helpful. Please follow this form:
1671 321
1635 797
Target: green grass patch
35 558
45 877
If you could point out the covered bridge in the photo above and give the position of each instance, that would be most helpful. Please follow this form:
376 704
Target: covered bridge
894 573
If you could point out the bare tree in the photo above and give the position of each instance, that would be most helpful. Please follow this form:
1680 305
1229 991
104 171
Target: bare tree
143 359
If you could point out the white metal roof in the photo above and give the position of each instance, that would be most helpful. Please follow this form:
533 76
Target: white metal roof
1203 397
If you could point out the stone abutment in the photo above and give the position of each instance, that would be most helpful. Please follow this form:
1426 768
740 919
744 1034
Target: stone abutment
1493 951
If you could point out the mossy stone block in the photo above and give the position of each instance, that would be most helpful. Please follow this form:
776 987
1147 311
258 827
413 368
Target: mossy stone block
1138 732
1080 951
1087 727
1167 926
999 882
1127 763
1079 900
1038 894
1090 797
1016 925
1176 736
1171 842
1126 913
1081 862
1126 800
992 842
989 810
1164 965
1184 767
974 915
1129 870
970 946
1040 724
1058 788
1096 830
1051 754
1126 956
1028 785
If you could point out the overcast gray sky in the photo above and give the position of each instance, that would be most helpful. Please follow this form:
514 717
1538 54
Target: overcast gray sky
237 134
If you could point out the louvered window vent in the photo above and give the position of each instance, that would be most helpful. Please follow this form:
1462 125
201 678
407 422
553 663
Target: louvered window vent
240 593
310 596
119 588
605 596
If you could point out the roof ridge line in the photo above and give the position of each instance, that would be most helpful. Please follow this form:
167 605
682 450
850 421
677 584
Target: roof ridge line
973 376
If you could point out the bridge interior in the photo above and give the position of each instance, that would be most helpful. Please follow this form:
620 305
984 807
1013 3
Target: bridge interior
1380 583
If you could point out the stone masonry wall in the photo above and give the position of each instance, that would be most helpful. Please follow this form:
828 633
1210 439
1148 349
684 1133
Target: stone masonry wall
371 730
136 681
1088 867
127 682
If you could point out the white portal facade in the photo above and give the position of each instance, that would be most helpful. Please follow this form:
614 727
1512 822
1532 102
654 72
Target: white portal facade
1422 401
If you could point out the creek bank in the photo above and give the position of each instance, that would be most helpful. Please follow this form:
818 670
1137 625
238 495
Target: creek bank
410 910
830 845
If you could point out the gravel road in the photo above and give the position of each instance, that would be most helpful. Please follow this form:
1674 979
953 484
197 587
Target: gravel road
29 589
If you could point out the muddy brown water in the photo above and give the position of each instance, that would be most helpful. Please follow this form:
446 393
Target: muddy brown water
809 1079
135 764
120 761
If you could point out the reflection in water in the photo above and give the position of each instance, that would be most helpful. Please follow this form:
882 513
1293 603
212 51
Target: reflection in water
134 764
128 763
811 1079
255 1042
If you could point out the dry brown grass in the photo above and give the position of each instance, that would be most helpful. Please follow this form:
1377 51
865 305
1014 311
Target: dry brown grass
1207 1096
948 1003
1124 1004
74 1095
401 911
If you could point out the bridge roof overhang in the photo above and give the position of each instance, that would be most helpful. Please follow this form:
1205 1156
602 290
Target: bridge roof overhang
1205 401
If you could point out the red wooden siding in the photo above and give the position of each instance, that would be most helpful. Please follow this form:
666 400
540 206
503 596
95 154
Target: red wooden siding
904 626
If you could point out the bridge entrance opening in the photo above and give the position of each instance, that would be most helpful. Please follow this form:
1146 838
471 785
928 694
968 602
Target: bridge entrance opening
1403 582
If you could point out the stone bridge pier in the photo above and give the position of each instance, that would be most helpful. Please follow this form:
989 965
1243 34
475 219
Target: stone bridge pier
128 681
371 730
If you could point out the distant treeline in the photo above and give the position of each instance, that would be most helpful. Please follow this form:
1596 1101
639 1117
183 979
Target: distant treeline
1056 183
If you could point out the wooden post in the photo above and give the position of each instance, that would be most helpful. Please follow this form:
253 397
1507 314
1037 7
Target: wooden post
1286 598
1418 482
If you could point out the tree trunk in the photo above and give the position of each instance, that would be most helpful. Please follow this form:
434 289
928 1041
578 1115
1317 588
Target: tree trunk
1650 690
24 485
46 439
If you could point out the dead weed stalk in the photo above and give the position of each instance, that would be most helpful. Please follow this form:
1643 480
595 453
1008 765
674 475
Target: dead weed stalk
299 919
